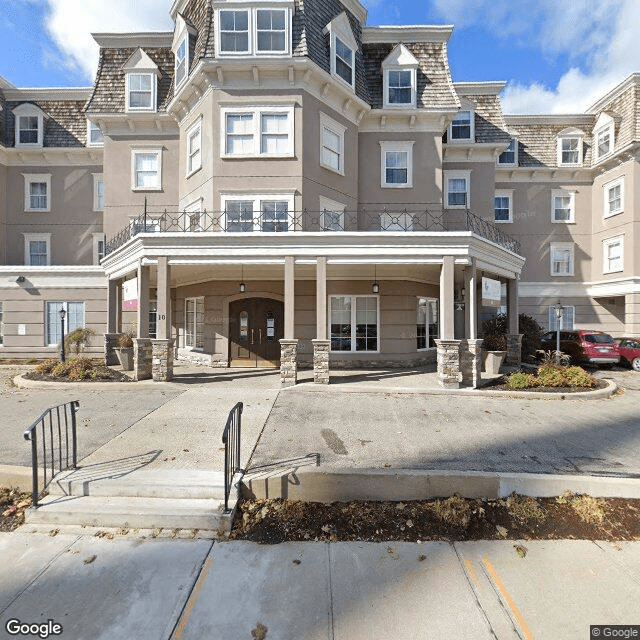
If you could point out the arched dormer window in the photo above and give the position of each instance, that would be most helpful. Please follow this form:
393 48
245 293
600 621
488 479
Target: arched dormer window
462 128
570 147
181 49
142 75
400 73
603 136
343 49
29 125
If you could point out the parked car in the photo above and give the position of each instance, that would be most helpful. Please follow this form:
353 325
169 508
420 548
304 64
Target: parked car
583 346
629 349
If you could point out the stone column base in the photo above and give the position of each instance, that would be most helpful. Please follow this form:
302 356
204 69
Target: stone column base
110 344
142 358
449 363
162 360
471 362
514 350
288 363
321 361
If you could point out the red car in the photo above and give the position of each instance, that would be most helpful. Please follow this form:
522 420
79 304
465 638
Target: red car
584 346
629 349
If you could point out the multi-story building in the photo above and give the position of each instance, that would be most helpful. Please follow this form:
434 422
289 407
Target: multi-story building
273 183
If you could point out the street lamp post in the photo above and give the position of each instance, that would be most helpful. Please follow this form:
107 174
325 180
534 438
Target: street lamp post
62 314
558 309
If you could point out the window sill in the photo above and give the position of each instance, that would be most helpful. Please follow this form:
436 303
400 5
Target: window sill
342 81
562 275
396 105
613 215
48 210
571 165
396 186
457 206
562 221
193 172
142 189
606 273
503 221
141 110
29 145
261 156
461 141
332 169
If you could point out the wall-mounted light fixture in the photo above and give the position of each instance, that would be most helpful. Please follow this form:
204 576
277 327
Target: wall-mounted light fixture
243 286
375 287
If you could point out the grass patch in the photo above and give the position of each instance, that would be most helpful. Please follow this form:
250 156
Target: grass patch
454 510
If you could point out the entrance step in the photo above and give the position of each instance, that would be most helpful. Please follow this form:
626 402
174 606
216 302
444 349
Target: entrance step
141 483
131 513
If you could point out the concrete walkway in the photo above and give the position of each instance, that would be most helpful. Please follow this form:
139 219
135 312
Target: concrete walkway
158 589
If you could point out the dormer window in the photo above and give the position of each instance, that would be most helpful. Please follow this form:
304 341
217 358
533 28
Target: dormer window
271 25
343 47
462 127
180 48
141 82
181 62
94 135
29 123
399 87
400 72
603 136
510 155
234 31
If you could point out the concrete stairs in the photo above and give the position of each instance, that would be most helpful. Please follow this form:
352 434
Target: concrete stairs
141 499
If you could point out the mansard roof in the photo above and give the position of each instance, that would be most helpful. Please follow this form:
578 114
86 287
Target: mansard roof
489 121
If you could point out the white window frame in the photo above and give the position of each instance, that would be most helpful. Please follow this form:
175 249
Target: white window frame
560 141
404 146
184 42
353 321
514 142
553 319
67 324
472 127
138 151
252 28
154 91
194 300
563 193
29 179
92 127
503 193
428 299
28 110
602 131
97 239
339 28
329 124
606 188
258 199
413 86
336 209
195 131
606 258
562 246
457 175
256 132
98 205
36 237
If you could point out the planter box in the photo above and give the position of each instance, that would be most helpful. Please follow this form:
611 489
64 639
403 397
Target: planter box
492 361
125 356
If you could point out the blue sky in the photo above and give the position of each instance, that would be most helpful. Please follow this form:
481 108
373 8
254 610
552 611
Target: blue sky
557 56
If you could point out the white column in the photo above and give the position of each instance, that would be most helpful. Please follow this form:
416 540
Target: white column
143 301
446 298
163 320
321 298
289 298
471 301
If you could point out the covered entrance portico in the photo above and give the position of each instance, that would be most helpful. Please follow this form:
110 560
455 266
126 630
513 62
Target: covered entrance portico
347 300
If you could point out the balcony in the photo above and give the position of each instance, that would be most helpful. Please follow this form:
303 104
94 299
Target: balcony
281 220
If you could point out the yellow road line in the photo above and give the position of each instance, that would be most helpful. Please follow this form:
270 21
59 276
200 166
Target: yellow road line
472 572
509 600
193 598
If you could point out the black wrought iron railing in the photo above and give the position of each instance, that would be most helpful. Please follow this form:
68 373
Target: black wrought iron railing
231 441
279 219
53 435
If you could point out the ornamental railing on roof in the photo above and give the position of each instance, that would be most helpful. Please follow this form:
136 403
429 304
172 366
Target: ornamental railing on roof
276 217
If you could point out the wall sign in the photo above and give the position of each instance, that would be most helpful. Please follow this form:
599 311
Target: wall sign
130 294
491 292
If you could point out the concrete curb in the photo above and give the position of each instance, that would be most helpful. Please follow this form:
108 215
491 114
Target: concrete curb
24 383
342 485
310 387
17 477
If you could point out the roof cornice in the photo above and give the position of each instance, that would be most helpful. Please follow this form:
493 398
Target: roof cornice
634 78
393 34
48 93
134 40
550 118
492 88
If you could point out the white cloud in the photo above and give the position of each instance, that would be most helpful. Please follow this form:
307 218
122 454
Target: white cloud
71 22
600 40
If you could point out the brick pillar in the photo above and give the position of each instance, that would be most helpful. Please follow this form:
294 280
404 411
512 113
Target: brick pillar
514 350
110 344
142 358
321 361
449 363
162 360
471 362
288 362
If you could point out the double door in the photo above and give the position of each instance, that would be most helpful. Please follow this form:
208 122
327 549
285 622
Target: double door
255 329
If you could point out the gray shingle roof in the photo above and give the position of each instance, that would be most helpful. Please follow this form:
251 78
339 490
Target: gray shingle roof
489 121
626 107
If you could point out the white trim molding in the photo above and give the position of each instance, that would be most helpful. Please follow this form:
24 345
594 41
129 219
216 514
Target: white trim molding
613 262
462 174
328 152
558 251
398 148
567 203
37 237
29 111
136 183
503 193
37 178
98 198
613 197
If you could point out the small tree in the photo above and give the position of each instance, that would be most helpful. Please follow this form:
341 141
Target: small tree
78 340
527 326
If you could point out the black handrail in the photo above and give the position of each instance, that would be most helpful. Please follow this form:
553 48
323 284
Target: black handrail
64 417
231 441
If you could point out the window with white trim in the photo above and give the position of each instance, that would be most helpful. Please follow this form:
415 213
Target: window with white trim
331 215
146 169
141 92
570 151
37 192
396 164
28 130
510 155
37 249
613 197
354 323
99 244
561 257
400 75
29 125
271 30
331 144
74 319
343 46
194 148
457 189
503 206
95 138
566 322
194 323
182 61
98 192
344 61
269 213
462 127
563 205
428 324
613 255
259 31
604 141
258 132
234 31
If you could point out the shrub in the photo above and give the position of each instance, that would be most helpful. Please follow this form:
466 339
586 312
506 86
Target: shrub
527 326
60 370
46 365
551 376
78 340
522 381
495 342
125 341
578 377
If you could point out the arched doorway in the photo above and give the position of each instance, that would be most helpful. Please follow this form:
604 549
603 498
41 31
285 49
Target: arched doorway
256 326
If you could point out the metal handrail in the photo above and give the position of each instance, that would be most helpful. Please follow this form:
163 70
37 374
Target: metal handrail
231 441
426 218
65 417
